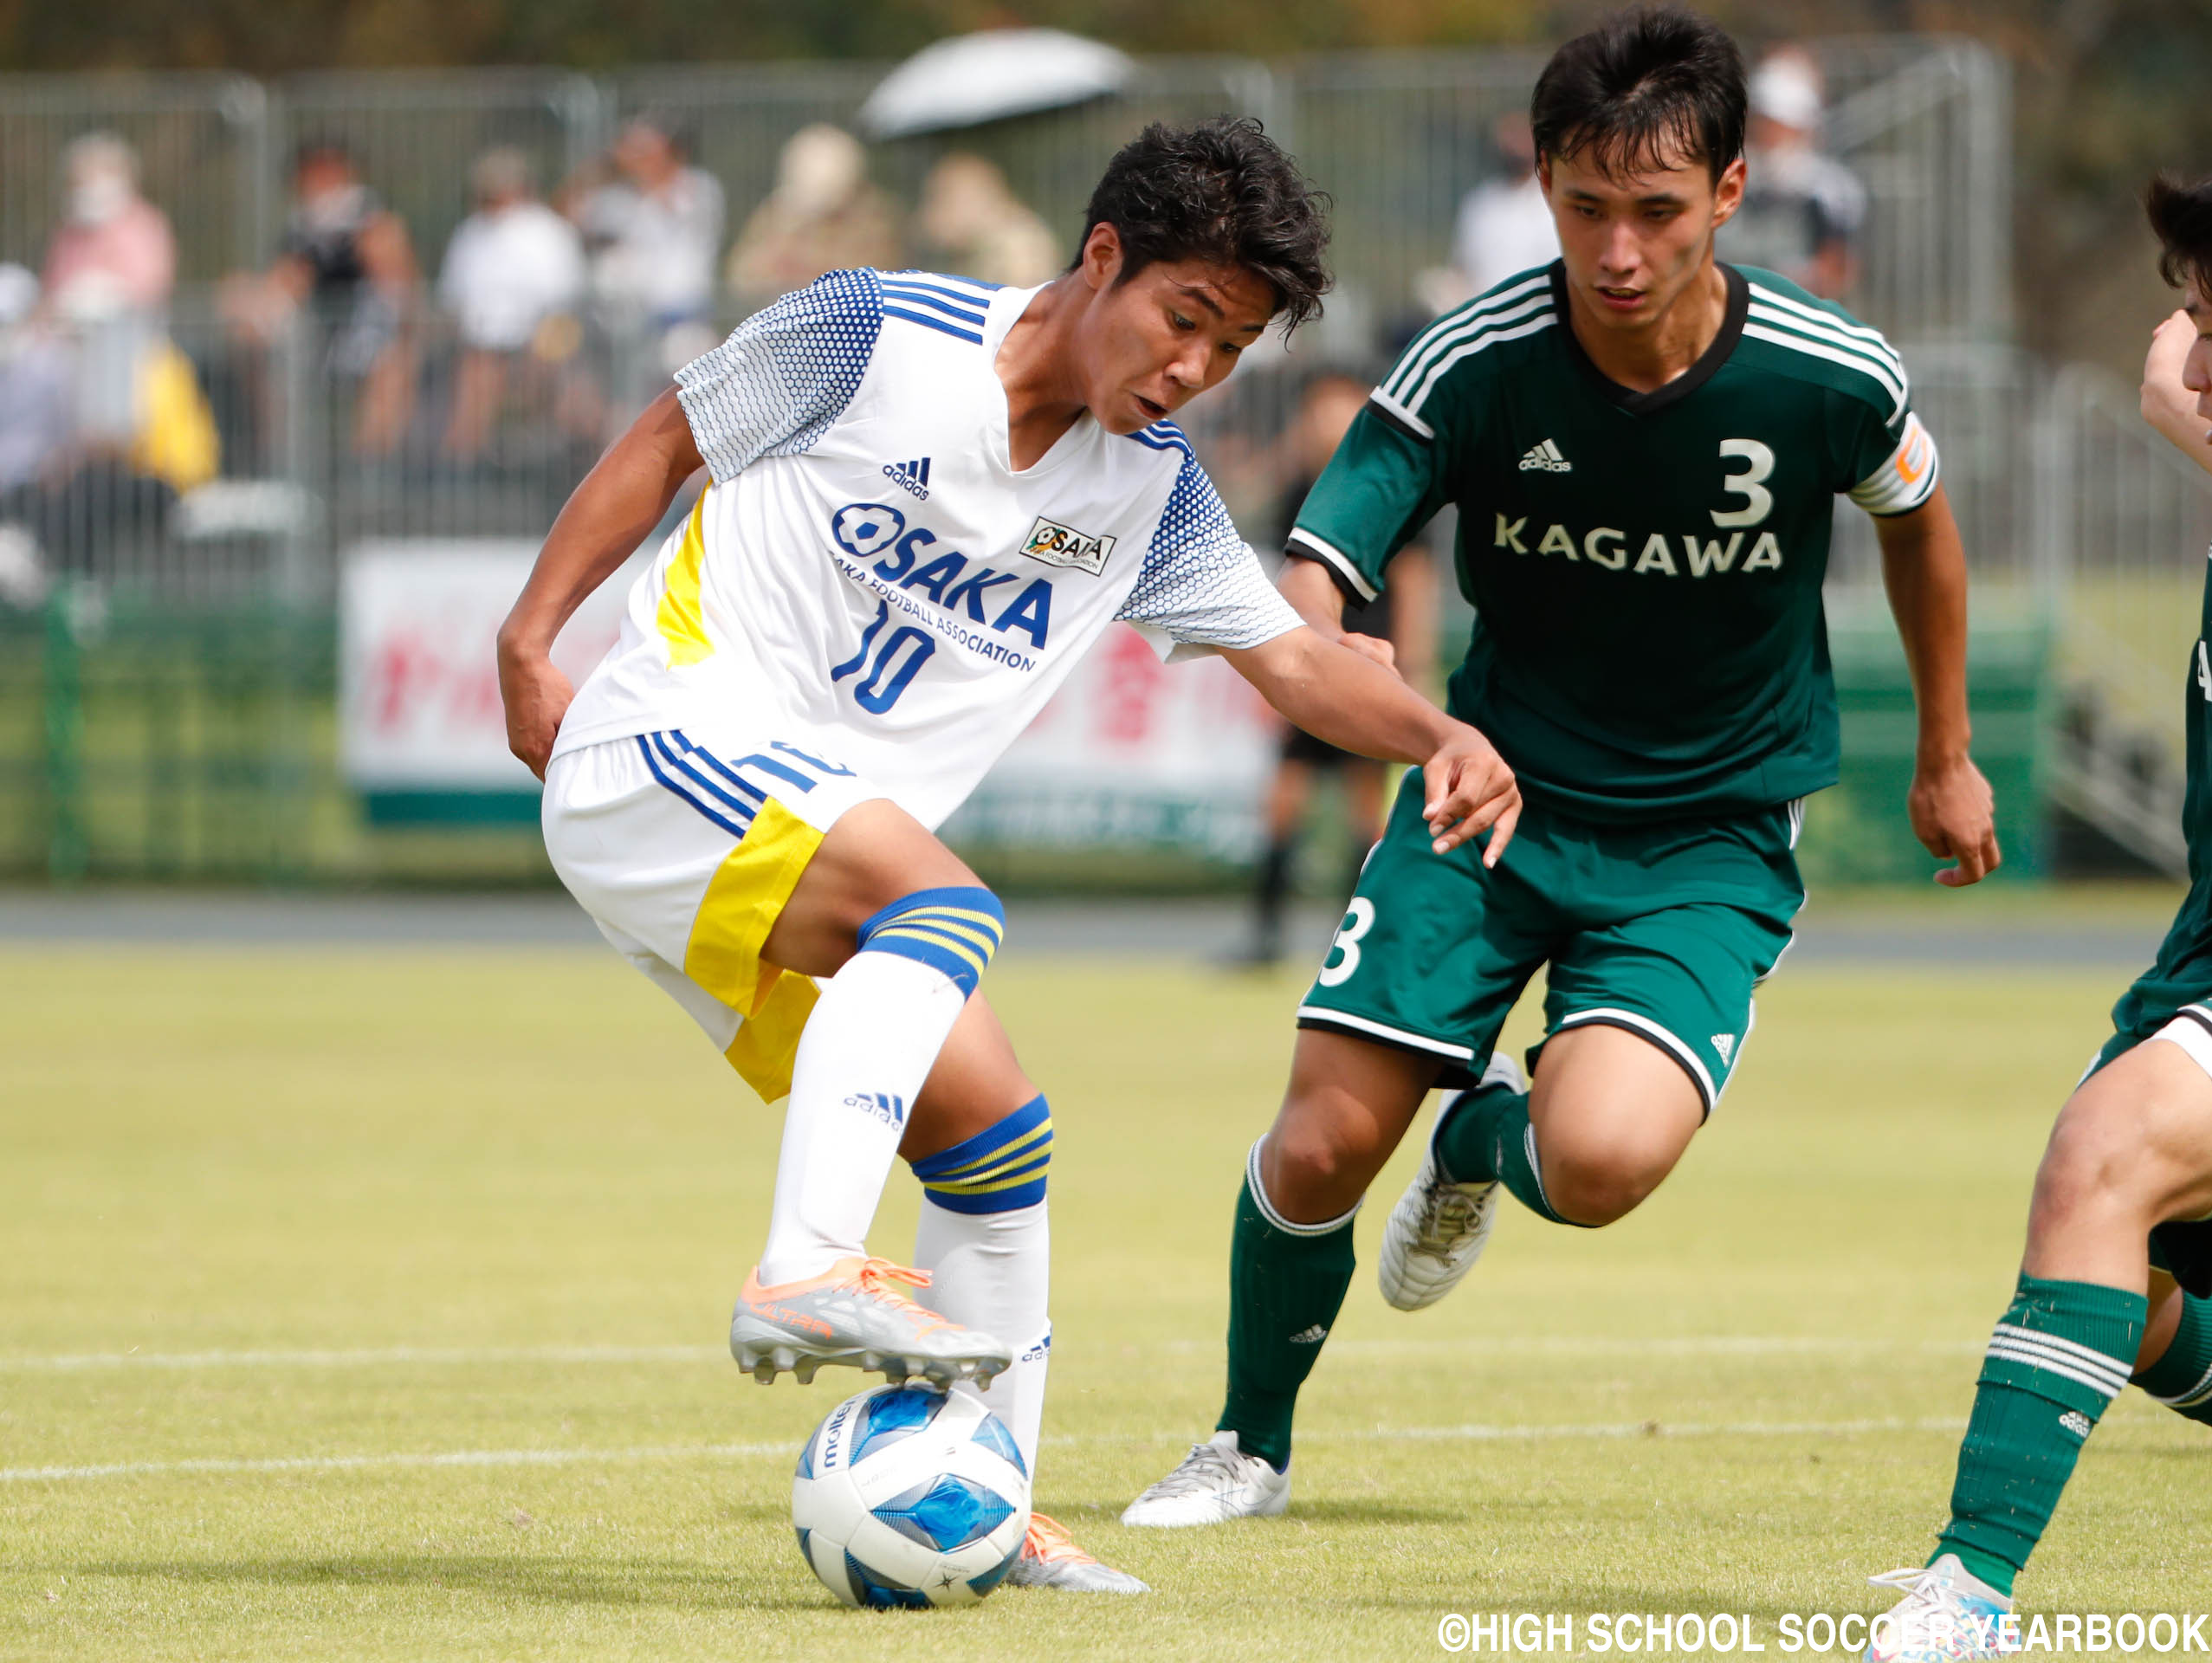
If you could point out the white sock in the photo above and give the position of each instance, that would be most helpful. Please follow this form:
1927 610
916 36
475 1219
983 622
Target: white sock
869 1044
994 1271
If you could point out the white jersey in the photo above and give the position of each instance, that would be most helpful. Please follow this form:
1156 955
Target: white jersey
869 572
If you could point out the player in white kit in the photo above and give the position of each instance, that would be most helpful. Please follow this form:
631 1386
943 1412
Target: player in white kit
928 497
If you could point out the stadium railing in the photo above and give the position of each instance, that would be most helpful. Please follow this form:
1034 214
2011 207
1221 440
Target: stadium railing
1397 138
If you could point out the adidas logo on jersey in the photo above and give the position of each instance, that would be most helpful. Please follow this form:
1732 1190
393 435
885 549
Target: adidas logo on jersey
1546 455
1726 1043
911 475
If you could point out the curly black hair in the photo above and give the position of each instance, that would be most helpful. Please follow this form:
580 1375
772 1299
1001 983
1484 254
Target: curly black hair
1643 89
1222 192
2180 218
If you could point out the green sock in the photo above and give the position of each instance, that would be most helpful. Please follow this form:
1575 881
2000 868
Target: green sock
2060 1354
1286 1284
2181 1379
1486 1135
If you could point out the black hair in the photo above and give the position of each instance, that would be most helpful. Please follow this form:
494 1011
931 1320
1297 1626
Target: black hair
2181 216
1644 89
1222 192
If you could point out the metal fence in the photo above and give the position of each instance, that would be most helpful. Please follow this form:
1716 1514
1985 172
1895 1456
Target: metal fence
1398 139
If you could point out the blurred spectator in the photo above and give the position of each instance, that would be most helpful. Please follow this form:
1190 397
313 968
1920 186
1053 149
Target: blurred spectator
348 265
971 223
823 216
1802 209
36 385
652 231
1505 223
1404 614
109 269
513 279
67 502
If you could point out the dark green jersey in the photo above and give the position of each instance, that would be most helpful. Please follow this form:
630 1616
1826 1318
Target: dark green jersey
2182 975
1646 568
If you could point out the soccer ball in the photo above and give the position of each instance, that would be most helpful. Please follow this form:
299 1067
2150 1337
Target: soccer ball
907 1496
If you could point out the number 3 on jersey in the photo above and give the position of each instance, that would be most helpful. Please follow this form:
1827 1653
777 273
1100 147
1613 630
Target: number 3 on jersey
896 662
1359 918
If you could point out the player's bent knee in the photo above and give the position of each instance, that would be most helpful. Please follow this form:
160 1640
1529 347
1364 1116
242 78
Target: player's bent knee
956 930
1000 1169
1597 1194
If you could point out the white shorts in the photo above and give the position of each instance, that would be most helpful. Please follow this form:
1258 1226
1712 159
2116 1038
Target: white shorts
2192 1035
685 857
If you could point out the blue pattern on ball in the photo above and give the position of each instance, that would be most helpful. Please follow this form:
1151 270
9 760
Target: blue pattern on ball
990 1579
878 1594
993 1436
891 1415
948 1513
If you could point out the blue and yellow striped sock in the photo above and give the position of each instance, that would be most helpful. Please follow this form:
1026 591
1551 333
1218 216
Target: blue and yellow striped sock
956 930
1000 1169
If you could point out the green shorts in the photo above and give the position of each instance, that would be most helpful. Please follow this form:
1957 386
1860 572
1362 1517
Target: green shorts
1664 930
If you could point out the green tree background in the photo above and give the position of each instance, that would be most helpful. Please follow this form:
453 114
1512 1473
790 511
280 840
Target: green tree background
2105 90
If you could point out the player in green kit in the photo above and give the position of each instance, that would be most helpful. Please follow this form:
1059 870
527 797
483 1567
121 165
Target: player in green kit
1644 448
2117 1281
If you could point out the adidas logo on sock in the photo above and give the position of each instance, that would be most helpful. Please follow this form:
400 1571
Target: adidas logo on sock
1546 457
1313 1336
1724 1044
914 475
2076 1423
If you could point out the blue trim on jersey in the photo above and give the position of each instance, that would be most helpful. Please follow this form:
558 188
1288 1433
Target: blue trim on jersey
938 324
1169 437
936 299
952 282
736 829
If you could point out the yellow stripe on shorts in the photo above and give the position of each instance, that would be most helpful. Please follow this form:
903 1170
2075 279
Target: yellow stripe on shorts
767 1041
744 898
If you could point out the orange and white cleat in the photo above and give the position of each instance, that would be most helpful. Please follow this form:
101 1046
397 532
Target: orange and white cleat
1050 1558
860 1315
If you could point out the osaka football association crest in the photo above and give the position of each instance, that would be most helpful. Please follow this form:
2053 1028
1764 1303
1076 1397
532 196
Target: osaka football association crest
1059 545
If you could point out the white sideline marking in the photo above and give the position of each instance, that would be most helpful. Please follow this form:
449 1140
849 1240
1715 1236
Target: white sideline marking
356 1463
724 1452
390 1354
1707 1345
1602 1345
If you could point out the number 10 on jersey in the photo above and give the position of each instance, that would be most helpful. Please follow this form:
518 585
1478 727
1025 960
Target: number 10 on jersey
890 666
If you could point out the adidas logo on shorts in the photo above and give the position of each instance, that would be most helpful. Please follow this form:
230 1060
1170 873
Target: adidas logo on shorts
1725 1045
1546 457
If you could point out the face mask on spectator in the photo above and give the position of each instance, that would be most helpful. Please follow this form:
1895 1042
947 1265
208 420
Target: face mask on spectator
96 200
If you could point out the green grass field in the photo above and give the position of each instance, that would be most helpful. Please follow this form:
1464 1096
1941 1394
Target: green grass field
368 1304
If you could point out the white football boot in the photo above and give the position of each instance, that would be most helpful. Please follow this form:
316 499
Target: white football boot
860 1315
1216 1482
1050 1558
1439 1228
1946 1614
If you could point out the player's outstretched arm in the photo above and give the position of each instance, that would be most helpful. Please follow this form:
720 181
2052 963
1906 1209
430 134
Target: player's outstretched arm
1336 693
1923 567
615 509
2167 404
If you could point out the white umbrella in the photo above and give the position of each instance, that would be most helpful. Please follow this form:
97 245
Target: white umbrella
993 72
